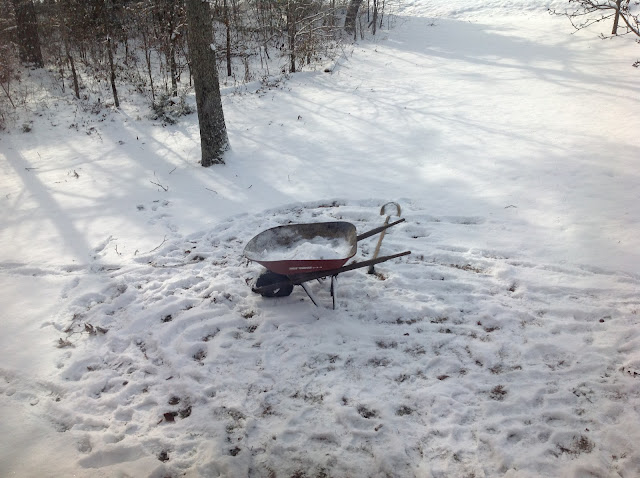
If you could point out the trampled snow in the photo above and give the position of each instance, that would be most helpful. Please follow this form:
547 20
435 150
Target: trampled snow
506 344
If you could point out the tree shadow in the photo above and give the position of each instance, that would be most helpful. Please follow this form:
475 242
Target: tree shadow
74 241
562 62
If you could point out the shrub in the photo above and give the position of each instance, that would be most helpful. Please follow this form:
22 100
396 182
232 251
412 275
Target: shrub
169 108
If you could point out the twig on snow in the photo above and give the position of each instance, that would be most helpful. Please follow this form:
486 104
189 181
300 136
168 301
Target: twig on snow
159 246
158 184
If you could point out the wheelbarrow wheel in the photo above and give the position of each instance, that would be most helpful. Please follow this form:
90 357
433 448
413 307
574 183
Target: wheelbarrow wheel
267 278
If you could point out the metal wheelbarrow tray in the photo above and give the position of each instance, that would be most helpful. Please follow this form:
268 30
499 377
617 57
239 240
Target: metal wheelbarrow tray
298 253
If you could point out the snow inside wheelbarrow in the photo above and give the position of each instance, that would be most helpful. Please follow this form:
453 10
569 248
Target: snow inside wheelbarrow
300 248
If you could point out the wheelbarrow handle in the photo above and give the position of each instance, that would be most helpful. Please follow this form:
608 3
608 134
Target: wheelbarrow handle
377 230
349 267
301 278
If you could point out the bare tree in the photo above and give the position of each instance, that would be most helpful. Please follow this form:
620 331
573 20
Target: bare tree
168 18
213 131
589 12
100 45
353 17
352 14
309 24
291 34
58 47
64 29
27 32
112 73
227 25
9 64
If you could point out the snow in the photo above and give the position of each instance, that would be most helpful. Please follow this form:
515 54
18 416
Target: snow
506 344
317 248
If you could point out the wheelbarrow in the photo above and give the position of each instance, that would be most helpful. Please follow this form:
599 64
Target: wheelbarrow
298 253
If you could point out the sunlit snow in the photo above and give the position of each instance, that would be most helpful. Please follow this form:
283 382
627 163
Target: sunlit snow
506 344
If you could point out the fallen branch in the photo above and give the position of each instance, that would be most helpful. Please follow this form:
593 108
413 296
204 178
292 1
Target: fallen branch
160 185
154 249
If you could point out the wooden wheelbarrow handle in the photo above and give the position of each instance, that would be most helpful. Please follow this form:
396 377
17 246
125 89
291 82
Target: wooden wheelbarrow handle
375 231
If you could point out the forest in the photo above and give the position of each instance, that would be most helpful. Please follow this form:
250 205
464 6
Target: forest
102 51
98 48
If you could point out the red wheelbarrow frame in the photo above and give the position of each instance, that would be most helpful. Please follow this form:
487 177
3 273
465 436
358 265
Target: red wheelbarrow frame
286 272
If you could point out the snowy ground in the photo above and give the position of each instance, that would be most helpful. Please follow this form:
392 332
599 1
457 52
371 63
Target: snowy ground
506 344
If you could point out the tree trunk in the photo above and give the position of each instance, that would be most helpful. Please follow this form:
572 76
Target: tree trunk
332 18
173 67
291 31
72 64
112 75
63 14
27 32
352 14
213 131
147 57
614 31
374 24
228 28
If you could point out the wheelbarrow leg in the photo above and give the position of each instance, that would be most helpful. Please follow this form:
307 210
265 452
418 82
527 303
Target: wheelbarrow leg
309 293
334 290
